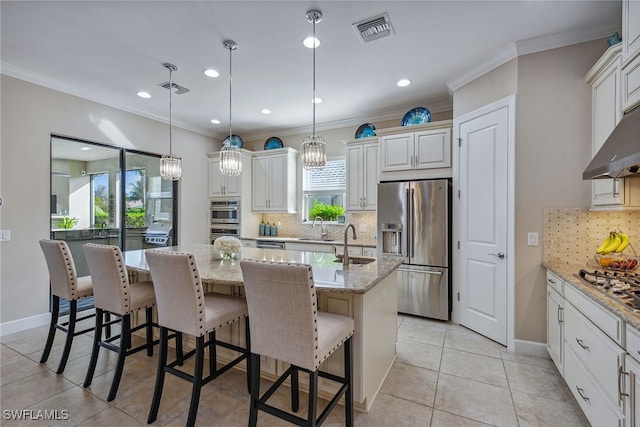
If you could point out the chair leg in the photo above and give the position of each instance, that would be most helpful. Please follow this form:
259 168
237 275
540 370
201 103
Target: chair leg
55 311
348 376
197 381
255 389
73 307
162 362
149 319
295 390
125 343
247 346
107 319
97 337
179 350
312 416
213 354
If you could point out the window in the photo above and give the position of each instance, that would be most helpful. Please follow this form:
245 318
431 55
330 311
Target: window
324 191
135 198
100 199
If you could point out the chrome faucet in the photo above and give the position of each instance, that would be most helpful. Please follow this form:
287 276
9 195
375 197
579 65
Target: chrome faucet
345 256
323 232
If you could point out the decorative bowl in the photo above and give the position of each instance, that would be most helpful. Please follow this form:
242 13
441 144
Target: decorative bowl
617 261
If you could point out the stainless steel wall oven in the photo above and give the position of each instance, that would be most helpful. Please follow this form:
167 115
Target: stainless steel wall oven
225 219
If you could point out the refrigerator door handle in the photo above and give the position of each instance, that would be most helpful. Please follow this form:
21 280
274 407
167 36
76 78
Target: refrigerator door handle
407 227
411 231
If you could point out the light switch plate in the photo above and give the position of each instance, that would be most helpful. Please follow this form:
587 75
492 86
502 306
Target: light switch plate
5 235
532 239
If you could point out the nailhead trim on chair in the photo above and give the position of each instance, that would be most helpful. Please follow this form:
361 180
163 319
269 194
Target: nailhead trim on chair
72 277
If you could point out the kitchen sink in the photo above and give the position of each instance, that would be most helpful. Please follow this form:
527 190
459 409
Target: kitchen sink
356 260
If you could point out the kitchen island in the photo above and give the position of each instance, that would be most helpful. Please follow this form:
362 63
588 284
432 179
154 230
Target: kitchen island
364 292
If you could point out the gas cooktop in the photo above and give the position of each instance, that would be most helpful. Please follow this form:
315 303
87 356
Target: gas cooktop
624 287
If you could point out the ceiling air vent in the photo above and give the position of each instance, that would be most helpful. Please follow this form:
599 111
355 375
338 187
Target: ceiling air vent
178 90
373 28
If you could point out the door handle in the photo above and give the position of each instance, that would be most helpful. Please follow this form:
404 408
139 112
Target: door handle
499 255
581 344
620 376
581 393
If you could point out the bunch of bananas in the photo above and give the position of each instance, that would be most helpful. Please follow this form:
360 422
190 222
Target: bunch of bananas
617 241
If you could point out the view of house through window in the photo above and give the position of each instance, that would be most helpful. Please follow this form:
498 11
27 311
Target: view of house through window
324 191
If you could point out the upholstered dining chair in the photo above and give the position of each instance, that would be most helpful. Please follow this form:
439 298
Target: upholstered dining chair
115 295
286 325
184 307
66 284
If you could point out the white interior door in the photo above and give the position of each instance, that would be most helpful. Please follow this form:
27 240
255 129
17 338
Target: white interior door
483 208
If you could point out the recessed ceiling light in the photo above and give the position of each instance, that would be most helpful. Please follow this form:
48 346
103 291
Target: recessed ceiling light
210 72
265 111
311 42
143 94
404 82
85 148
215 121
317 100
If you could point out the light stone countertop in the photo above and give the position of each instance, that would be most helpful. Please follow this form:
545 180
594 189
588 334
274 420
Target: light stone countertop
328 275
567 273
310 241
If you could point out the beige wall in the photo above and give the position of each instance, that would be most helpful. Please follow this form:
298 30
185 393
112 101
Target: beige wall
553 146
30 113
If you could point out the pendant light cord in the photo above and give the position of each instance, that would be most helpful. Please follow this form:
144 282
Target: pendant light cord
313 100
230 84
170 109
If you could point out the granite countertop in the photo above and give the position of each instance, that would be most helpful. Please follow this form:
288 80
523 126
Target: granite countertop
328 275
568 271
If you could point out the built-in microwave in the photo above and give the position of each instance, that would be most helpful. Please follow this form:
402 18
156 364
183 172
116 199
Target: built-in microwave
225 212
221 230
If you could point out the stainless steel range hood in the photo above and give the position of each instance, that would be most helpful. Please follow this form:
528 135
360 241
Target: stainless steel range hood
620 154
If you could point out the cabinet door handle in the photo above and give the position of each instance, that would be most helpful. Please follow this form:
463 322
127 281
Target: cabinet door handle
551 281
364 202
620 372
581 393
615 191
560 314
581 344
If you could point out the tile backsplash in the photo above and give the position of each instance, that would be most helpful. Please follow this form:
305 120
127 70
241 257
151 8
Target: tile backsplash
572 235
291 225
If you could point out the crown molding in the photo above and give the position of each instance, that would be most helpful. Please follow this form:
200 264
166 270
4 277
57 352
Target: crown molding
529 46
41 80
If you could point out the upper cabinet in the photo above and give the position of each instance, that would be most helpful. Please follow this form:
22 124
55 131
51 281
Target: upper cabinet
630 54
606 112
413 152
274 180
362 174
225 187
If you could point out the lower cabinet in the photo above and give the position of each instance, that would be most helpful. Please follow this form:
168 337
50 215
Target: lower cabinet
555 329
632 395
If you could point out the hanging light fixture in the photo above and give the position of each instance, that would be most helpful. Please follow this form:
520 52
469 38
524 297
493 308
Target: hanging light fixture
170 164
314 155
230 162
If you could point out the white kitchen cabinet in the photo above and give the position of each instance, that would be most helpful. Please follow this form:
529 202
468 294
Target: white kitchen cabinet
414 152
606 112
630 79
632 389
366 251
229 187
630 30
362 174
274 180
555 327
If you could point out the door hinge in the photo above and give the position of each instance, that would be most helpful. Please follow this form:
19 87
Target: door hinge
458 296
458 244
459 142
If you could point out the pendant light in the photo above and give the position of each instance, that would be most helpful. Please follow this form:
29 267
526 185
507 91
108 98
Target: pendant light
170 164
230 162
314 155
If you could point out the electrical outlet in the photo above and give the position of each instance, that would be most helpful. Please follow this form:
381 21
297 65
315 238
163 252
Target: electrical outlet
532 239
362 228
5 235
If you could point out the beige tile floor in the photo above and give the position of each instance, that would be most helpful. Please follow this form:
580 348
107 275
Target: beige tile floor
444 375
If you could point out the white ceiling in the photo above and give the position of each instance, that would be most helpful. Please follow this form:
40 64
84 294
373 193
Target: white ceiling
107 51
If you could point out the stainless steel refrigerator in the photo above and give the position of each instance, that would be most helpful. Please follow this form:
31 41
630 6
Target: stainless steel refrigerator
413 223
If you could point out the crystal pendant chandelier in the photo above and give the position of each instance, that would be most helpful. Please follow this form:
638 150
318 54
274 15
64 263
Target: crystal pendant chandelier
170 164
314 155
230 162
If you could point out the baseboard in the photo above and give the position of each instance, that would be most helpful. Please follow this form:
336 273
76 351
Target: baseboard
531 348
13 326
